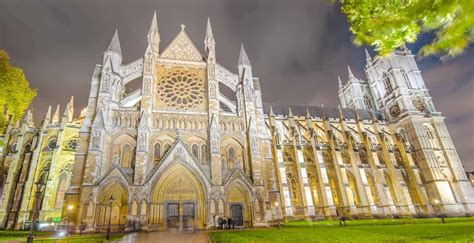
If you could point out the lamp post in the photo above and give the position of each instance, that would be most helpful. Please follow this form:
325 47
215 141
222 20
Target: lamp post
111 201
278 214
69 209
39 188
437 205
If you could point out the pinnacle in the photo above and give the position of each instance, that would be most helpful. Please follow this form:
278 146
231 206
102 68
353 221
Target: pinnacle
48 114
339 80
290 113
209 29
154 24
349 71
55 118
243 58
367 55
115 44
209 39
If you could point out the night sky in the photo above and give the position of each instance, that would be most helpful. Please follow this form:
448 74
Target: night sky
297 49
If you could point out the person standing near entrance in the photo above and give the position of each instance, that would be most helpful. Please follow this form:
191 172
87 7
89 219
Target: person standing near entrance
229 222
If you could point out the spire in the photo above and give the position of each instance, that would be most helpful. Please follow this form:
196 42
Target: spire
56 115
325 117
367 56
290 113
340 82
243 59
29 118
308 115
209 42
114 45
271 111
153 34
48 114
69 112
349 71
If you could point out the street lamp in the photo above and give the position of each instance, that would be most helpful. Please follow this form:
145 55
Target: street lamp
69 209
39 189
111 201
437 204
278 214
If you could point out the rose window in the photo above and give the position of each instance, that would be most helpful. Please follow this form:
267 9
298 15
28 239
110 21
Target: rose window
181 89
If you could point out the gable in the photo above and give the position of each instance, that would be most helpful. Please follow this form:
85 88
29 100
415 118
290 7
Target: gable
182 48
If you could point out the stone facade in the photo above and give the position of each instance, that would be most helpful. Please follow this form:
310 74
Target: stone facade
176 152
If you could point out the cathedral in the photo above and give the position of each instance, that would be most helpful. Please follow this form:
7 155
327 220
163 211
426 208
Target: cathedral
174 152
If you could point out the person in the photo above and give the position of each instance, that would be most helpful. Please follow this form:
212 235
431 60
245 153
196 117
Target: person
221 222
229 222
224 222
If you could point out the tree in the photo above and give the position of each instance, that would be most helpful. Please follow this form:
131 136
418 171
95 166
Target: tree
15 92
387 25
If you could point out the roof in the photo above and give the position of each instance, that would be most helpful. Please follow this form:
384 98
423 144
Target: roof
317 111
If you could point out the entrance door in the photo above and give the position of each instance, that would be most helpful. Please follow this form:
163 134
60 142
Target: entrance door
237 214
172 213
188 216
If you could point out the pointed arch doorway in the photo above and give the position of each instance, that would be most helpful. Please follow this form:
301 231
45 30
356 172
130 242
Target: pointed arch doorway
178 200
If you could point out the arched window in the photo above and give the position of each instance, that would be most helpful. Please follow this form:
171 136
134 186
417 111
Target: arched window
364 159
231 157
407 79
166 148
204 154
157 152
126 156
61 191
367 102
387 84
431 136
354 189
195 151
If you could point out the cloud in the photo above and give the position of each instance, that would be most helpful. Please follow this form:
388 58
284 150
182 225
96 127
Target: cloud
297 49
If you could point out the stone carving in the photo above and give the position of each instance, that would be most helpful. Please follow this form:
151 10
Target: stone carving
182 48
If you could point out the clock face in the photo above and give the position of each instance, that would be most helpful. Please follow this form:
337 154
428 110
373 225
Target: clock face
181 89
395 110
419 106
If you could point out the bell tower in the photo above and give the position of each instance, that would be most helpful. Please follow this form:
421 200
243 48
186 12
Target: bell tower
399 90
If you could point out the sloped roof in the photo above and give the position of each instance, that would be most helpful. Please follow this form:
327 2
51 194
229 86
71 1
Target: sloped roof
317 111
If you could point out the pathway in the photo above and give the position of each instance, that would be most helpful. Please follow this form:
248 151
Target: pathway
165 236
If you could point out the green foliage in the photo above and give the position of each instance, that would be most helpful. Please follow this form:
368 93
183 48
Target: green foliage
382 230
387 25
15 92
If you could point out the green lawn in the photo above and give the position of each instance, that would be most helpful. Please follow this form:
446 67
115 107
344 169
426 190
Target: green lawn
46 237
400 230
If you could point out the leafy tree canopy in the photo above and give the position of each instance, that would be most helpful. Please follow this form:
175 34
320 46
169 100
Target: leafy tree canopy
15 91
389 24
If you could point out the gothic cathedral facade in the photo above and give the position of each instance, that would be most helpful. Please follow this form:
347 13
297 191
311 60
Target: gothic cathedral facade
175 152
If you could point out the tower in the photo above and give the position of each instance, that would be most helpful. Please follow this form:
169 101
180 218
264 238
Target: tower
399 90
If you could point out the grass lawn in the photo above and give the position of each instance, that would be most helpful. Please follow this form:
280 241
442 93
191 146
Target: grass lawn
46 237
400 230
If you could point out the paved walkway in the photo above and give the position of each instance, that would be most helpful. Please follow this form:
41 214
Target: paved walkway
165 236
